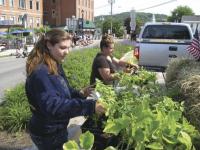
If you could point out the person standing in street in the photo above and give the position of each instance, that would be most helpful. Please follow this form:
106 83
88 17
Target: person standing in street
52 100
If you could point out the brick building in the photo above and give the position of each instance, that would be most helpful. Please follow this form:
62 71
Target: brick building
28 13
56 11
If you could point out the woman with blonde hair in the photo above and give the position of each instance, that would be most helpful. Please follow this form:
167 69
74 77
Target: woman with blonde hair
52 100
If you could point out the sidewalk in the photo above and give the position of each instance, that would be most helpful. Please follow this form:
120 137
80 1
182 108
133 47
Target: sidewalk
8 52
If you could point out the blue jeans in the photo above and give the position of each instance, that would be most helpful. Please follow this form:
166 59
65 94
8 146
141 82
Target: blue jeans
53 142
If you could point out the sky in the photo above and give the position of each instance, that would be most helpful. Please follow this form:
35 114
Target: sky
102 7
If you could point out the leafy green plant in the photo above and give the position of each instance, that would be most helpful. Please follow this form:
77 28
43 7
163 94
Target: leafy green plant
148 119
86 141
15 113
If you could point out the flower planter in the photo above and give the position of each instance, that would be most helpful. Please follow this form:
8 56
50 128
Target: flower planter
101 140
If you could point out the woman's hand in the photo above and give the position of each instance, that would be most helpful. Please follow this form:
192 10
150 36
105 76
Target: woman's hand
99 108
86 91
115 76
130 68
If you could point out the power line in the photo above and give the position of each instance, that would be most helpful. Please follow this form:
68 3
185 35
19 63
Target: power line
156 5
102 6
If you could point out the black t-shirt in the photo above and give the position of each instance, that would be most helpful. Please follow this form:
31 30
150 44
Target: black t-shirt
100 61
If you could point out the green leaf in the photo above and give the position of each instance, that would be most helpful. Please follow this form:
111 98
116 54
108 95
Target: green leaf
110 148
154 126
175 114
86 140
169 140
154 145
70 145
140 146
139 135
116 125
185 139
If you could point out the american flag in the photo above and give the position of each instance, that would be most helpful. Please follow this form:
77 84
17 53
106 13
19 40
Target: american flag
194 48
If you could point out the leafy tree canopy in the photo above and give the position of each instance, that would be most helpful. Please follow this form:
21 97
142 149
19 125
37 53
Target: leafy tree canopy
180 11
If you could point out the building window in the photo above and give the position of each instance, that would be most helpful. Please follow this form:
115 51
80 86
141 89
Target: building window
20 18
31 22
31 4
2 2
2 18
79 13
53 13
12 18
22 4
37 5
11 3
92 4
38 22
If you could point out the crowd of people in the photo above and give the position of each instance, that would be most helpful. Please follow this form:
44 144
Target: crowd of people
82 40
51 98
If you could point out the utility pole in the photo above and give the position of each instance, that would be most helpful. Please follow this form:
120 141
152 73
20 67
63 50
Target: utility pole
111 2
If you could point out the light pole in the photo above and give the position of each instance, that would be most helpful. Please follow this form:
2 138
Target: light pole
73 22
102 20
82 12
111 2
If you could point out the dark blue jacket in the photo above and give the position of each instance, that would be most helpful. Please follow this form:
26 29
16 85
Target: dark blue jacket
53 102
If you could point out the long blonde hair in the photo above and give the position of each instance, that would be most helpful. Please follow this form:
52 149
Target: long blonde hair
40 53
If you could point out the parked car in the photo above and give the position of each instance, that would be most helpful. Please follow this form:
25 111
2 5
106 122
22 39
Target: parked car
158 43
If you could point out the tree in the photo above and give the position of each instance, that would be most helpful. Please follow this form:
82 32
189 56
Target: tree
116 27
179 12
127 24
139 23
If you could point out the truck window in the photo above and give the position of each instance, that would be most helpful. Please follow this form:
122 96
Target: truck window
166 32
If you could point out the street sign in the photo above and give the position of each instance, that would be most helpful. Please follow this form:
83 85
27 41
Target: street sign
133 20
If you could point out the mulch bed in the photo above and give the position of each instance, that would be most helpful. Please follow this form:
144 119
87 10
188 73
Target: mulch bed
14 141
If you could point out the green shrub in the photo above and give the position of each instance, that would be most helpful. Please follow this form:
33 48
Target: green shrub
183 80
78 67
15 113
78 64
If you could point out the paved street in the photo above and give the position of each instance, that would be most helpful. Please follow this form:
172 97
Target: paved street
12 72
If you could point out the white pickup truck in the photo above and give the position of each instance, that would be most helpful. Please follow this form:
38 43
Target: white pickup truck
158 43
